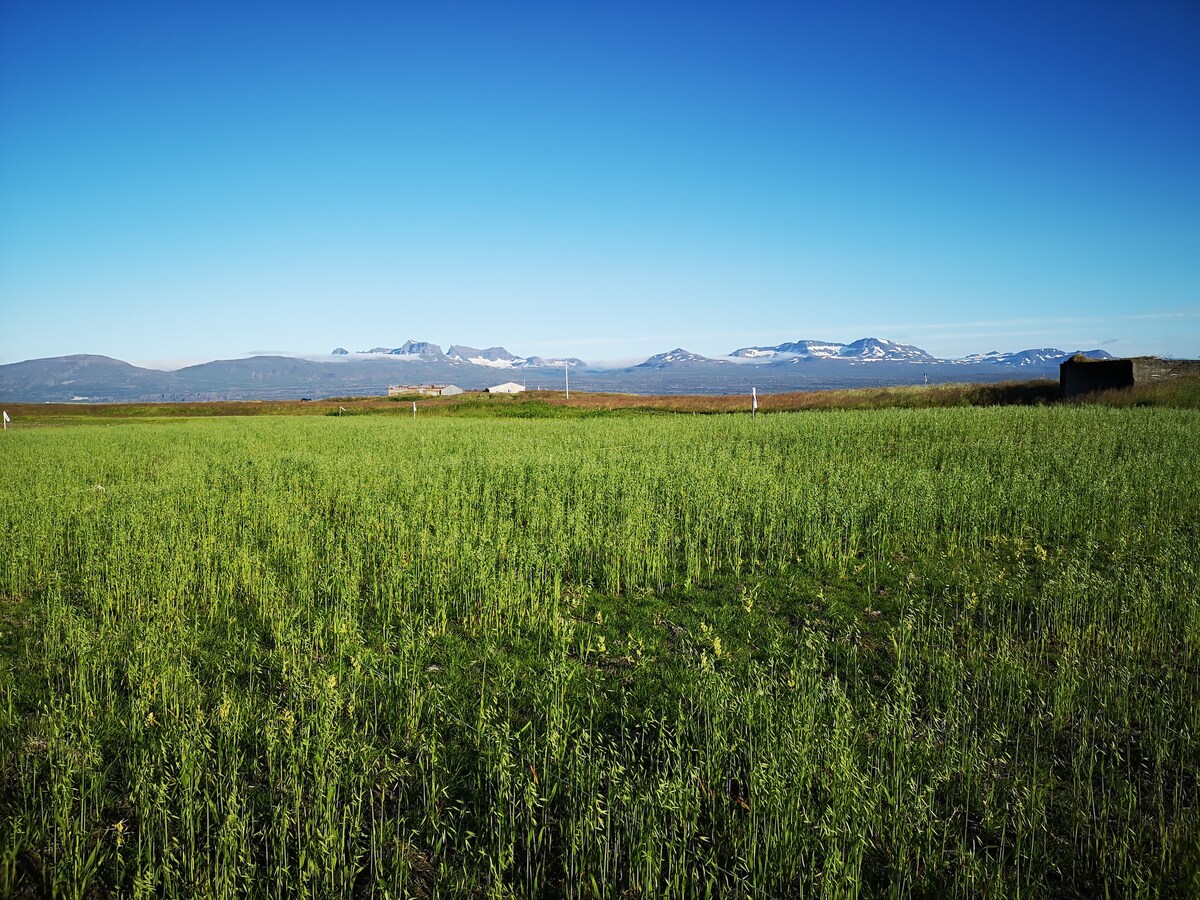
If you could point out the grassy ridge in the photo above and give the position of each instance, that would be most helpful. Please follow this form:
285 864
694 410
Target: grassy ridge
900 653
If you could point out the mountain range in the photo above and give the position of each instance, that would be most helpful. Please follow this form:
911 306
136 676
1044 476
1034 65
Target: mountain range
796 365
459 354
864 349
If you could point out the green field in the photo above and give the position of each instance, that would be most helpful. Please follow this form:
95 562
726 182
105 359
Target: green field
891 653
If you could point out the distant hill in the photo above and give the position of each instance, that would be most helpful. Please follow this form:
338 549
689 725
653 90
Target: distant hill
82 377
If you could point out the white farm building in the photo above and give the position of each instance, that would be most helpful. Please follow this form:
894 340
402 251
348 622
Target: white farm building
509 387
426 390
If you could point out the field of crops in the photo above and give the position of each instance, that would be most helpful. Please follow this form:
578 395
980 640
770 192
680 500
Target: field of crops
896 653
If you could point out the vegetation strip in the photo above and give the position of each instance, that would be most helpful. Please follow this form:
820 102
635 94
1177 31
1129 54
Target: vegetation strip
904 653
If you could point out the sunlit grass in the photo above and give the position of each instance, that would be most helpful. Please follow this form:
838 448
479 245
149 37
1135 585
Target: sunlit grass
900 653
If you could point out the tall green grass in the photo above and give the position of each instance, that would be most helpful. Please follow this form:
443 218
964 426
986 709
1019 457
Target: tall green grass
897 654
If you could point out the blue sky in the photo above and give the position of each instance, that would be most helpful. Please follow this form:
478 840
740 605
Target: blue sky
188 181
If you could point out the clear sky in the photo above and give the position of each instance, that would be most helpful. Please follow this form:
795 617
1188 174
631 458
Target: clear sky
188 181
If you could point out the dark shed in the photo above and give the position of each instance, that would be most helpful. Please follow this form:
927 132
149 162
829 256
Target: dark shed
1081 375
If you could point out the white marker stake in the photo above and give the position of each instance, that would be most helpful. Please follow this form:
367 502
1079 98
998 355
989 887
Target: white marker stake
6 420
753 402
567 379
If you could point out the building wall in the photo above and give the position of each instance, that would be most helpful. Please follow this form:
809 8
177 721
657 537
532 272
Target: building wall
427 390
1151 368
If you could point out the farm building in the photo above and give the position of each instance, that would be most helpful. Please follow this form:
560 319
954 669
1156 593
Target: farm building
1081 375
509 387
425 390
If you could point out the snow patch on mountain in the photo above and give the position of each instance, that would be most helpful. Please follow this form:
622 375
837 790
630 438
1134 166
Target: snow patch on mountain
493 357
865 349
753 353
675 357
789 350
410 349
541 362
1041 357
880 349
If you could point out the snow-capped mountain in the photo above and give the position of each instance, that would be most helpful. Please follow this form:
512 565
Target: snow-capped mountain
423 349
494 357
877 348
460 354
880 350
791 349
1045 356
500 358
864 349
676 357
418 348
409 348
541 362
785 354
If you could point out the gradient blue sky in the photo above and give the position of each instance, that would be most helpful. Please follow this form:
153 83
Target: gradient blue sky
188 181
